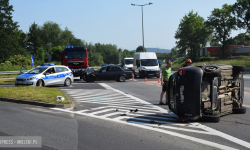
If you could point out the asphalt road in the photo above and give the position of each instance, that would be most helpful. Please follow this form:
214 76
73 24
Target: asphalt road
98 120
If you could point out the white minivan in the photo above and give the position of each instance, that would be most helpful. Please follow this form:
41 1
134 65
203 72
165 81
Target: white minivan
127 63
146 65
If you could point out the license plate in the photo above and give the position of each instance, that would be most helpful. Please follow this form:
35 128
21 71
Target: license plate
19 82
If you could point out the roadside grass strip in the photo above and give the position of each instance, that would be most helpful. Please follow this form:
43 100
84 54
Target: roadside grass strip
8 75
37 94
7 81
117 107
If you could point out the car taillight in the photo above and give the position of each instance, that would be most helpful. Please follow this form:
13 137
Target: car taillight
72 72
182 71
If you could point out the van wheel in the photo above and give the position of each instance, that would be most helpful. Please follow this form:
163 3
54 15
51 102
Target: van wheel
211 71
39 83
238 68
241 110
207 118
122 78
67 82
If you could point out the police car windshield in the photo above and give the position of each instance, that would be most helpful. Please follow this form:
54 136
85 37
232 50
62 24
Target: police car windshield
37 70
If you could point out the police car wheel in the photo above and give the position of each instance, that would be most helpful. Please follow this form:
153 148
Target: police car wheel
67 82
39 83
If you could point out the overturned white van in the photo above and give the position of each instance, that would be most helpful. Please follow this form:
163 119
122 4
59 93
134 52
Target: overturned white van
146 65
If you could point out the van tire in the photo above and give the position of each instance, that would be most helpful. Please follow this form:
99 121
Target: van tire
241 110
207 118
211 71
238 68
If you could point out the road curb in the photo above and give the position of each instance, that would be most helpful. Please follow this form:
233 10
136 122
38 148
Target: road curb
37 103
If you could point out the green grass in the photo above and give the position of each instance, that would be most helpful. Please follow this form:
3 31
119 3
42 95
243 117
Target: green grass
7 81
38 94
13 68
8 75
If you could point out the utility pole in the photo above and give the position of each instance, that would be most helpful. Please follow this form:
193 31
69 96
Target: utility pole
120 56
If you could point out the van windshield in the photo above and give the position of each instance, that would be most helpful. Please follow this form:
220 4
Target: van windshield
149 62
128 61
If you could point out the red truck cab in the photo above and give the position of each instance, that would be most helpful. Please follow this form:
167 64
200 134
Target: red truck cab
76 58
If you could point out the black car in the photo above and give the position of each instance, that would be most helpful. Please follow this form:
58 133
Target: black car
104 65
107 73
207 92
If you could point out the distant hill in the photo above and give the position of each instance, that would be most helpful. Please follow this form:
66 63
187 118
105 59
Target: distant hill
158 50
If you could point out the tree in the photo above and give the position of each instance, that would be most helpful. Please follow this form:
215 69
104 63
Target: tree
212 41
191 34
34 41
140 49
9 33
173 52
222 22
98 58
241 39
242 11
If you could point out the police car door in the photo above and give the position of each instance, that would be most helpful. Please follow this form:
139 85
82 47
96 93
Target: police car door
50 78
60 75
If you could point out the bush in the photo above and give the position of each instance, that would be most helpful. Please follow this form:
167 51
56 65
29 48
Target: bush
204 58
18 60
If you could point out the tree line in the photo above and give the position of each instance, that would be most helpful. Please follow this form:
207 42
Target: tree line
194 32
47 39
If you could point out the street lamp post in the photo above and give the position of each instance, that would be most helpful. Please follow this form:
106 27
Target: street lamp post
142 20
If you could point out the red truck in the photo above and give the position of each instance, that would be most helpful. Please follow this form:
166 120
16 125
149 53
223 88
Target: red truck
76 58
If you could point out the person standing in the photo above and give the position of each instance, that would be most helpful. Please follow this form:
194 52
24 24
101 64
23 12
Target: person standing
166 73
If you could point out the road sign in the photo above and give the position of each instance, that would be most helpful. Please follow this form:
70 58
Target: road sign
32 60
160 64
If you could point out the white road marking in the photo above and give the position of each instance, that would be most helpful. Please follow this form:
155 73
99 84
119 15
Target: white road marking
132 80
143 116
208 143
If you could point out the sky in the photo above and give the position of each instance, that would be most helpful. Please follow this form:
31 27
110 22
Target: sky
115 21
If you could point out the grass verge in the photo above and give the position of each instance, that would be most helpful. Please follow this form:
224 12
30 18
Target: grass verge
38 94
8 75
7 81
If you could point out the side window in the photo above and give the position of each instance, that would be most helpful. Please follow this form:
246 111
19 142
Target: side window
104 69
119 69
59 69
65 69
108 68
114 69
51 70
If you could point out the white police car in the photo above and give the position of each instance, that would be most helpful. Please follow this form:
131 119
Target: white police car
45 75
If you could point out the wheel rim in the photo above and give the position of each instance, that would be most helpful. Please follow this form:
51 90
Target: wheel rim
67 82
122 78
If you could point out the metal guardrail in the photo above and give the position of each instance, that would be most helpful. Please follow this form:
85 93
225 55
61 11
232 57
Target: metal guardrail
9 72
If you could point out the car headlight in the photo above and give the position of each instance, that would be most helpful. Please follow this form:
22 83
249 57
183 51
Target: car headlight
88 73
32 78
143 68
126 68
